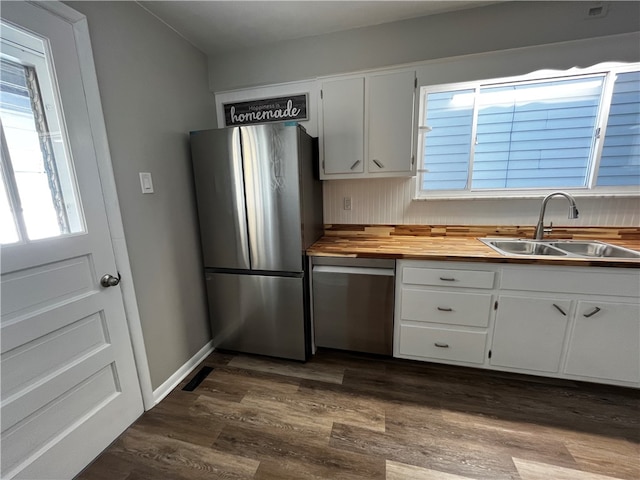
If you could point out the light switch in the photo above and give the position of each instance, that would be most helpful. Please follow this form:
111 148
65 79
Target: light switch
146 182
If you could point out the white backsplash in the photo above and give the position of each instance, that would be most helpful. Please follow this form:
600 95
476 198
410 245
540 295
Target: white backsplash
388 201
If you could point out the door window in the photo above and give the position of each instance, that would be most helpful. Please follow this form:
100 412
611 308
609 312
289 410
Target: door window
38 194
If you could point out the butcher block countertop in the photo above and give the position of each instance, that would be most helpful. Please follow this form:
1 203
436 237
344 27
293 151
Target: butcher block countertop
460 243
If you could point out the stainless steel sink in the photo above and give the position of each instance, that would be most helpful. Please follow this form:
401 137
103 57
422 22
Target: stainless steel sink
523 247
595 249
558 248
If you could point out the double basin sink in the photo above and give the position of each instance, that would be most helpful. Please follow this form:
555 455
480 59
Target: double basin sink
558 248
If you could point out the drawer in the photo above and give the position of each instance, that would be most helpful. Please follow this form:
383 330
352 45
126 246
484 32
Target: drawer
453 308
621 283
448 277
442 343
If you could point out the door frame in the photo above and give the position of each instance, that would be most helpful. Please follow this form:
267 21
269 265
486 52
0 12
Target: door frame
105 170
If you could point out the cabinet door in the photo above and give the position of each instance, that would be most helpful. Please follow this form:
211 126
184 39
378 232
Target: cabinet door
390 115
529 333
605 342
343 126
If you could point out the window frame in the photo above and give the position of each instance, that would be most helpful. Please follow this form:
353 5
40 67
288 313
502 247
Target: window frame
609 69
28 49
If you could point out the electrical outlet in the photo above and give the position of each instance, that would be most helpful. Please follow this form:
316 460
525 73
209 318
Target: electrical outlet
597 10
347 203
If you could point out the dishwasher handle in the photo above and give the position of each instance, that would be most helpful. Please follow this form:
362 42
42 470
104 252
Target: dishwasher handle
388 272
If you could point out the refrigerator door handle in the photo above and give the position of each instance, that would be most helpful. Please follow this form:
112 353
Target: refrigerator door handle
240 194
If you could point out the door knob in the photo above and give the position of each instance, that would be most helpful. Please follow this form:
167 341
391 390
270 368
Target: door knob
109 280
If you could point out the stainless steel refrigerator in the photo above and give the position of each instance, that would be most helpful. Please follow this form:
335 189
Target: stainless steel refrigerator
260 207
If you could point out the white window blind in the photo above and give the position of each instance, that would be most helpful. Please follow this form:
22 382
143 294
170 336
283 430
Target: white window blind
446 146
620 161
533 134
536 135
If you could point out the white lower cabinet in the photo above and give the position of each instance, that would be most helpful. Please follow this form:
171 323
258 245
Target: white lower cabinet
605 341
529 333
579 323
443 311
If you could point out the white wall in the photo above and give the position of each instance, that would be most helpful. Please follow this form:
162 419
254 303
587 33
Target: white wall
389 201
499 27
485 29
153 86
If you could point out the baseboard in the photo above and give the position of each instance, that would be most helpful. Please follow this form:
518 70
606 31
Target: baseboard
171 382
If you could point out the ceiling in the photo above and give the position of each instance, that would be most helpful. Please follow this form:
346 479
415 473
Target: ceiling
218 27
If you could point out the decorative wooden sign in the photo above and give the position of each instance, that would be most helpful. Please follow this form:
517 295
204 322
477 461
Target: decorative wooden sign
278 109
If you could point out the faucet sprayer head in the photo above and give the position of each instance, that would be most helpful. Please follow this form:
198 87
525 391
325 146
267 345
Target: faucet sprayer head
573 211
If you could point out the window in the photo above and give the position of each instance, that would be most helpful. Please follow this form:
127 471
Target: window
524 136
38 196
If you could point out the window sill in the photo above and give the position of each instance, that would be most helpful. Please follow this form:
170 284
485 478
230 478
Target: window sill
494 195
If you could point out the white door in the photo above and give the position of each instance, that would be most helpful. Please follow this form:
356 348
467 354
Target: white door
69 383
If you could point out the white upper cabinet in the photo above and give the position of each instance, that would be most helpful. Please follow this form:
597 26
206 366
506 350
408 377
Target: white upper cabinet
366 125
390 116
343 126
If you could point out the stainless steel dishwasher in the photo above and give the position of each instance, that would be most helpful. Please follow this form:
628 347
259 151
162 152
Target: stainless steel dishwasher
353 304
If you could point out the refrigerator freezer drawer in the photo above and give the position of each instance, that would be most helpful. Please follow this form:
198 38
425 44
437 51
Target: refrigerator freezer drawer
264 315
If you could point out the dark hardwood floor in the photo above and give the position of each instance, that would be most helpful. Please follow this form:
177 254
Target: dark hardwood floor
350 416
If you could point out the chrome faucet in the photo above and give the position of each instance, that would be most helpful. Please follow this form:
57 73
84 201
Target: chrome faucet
573 212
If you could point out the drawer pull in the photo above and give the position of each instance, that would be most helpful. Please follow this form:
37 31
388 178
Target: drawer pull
445 309
560 310
592 312
378 163
447 279
355 164
441 345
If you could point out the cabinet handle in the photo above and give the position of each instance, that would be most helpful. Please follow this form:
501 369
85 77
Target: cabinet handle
441 345
592 312
378 163
445 309
355 164
560 310
447 279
